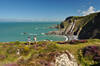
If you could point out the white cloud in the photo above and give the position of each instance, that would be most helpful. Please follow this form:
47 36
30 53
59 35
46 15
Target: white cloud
98 11
90 10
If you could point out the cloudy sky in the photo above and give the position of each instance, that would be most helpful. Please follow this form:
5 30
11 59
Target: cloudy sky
45 10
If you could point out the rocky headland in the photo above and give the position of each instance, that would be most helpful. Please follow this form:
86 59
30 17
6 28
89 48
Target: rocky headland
85 27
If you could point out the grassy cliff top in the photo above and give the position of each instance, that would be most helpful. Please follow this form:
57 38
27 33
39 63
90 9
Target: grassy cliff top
81 20
32 54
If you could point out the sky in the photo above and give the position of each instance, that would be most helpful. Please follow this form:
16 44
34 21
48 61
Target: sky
45 10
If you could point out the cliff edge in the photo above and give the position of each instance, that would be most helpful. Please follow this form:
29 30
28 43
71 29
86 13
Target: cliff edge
85 27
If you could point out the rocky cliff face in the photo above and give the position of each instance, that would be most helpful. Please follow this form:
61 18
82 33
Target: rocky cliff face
85 27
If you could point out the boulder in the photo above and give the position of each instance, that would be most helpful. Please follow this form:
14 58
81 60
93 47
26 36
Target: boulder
54 33
66 59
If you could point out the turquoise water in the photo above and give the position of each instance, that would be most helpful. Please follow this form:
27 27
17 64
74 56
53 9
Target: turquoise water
19 31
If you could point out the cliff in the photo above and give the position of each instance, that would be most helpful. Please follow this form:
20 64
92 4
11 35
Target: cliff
85 27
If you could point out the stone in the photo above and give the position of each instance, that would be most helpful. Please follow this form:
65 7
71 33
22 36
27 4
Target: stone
66 59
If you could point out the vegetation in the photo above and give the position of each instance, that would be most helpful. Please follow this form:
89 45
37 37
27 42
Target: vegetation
81 20
43 52
85 27
90 55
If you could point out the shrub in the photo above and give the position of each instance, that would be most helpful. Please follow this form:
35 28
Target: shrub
17 42
25 50
51 47
90 55
11 64
11 50
77 41
2 57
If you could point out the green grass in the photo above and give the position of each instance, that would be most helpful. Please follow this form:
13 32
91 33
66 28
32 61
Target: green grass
32 54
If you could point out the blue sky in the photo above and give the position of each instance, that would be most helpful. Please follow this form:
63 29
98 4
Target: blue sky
45 10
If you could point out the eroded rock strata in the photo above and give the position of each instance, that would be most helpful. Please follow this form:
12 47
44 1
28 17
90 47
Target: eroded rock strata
85 27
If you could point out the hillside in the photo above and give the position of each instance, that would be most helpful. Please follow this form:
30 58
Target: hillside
45 53
85 27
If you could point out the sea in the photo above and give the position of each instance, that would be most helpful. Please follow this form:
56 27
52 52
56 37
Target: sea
20 31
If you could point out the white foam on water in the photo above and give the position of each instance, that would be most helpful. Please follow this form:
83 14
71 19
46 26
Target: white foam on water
42 33
66 38
36 28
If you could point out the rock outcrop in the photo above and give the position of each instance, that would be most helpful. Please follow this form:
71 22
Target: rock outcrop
85 27
66 59
54 33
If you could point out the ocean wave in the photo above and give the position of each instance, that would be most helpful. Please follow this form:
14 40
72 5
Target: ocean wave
36 28
31 34
42 33
23 33
66 38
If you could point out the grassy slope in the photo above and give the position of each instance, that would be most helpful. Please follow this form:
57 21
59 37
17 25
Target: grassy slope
34 53
81 21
